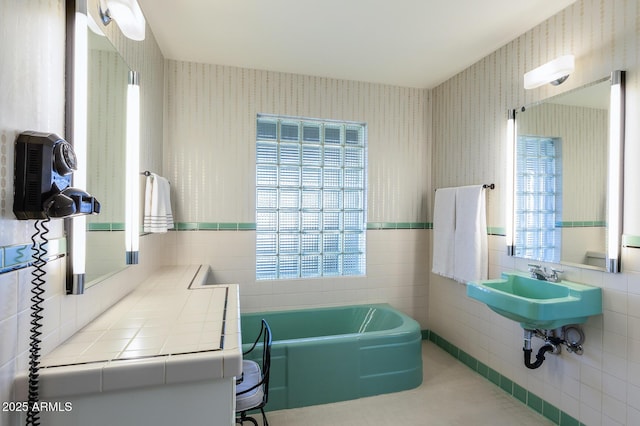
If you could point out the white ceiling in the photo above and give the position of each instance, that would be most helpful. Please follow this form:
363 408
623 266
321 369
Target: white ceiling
412 43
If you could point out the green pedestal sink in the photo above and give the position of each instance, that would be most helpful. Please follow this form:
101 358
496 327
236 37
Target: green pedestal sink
537 304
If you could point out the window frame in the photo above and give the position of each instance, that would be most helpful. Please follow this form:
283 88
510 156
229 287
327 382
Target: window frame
311 198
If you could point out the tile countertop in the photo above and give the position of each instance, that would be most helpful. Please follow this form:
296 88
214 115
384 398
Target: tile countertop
173 328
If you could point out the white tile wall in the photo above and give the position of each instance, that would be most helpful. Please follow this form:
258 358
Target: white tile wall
396 272
64 315
210 134
32 84
599 387
210 160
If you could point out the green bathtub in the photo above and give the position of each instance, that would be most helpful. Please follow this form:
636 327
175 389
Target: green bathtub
335 354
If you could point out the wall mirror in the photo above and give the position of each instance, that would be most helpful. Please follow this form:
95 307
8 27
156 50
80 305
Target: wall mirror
562 189
96 124
106 149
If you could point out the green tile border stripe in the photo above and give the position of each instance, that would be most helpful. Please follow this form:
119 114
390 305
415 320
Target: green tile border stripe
631 241
243 226
371 226
214 226
496 230
380 226
582 224
18 256
627 240
105 226
531 400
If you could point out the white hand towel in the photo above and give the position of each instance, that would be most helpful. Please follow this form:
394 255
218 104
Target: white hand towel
158 216
444 221
470 246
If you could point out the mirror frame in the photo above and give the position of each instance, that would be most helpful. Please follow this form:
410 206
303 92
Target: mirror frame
76 75
75 134
615 174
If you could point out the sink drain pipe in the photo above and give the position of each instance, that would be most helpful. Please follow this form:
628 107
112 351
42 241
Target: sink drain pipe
547 347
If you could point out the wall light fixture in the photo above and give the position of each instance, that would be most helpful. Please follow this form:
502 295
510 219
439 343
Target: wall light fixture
132 195
554 72
615 179
127 14
511 143
79 137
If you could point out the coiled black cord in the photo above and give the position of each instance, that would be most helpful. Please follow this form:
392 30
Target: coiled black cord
37 282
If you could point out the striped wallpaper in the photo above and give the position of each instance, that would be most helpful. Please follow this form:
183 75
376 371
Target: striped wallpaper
470 109
146 58
210 137
32 99
584 133
106 133
469 124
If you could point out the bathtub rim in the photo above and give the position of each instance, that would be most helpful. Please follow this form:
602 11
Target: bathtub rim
407 327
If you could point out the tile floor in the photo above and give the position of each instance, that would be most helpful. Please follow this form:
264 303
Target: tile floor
450 395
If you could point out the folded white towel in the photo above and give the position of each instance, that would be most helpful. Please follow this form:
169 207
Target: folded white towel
470 242
158 216
444 222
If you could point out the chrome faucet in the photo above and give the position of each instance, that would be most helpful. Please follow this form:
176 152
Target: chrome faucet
540 273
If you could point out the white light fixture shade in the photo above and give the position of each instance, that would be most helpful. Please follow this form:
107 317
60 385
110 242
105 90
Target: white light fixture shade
614 184
93 26
553 71
128 15
132 196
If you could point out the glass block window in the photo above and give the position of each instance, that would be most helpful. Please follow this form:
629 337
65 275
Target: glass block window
538 198
310 198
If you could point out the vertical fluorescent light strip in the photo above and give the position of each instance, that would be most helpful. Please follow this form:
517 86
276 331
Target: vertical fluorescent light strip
509 152
132 202
80 102
614 187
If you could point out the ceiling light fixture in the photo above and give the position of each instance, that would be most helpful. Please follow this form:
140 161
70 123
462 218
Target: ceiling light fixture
554 72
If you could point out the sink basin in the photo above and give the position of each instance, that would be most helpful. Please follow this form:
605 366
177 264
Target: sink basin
537 304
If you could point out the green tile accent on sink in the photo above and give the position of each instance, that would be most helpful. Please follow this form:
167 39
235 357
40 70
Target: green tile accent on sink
530 399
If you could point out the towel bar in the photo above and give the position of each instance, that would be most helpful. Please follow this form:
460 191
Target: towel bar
486 186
